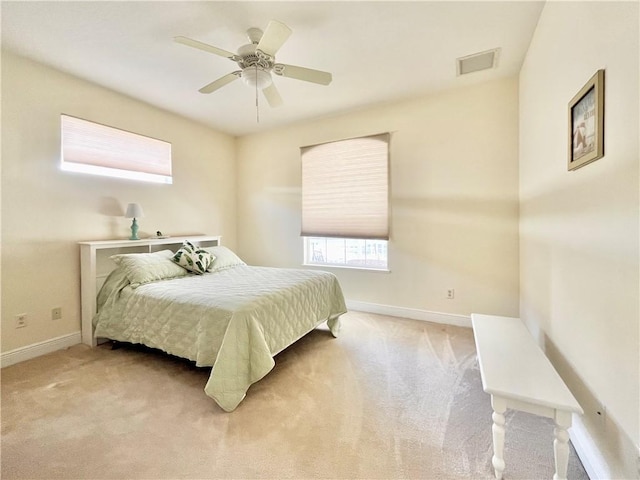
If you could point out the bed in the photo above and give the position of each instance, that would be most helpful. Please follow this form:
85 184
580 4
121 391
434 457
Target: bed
232 317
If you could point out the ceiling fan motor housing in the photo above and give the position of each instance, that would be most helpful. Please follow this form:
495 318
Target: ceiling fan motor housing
250 56
256 68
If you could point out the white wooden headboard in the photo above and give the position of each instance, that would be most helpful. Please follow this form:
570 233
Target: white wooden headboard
96 264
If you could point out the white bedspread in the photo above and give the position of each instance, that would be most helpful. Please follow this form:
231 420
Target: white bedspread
235 320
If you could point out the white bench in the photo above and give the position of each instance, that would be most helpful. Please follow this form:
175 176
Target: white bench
517 375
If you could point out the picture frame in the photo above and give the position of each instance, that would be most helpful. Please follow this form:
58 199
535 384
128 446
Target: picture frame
586 123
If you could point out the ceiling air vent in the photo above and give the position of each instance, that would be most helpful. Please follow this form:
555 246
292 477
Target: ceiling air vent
478 61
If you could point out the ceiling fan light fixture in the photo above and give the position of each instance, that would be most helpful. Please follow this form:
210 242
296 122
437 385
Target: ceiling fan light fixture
256 77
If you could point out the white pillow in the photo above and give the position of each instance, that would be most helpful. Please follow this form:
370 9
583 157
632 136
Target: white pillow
224 258
141 268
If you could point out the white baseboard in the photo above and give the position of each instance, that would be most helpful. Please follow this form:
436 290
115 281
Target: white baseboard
412 313
592 459
37 349
42 348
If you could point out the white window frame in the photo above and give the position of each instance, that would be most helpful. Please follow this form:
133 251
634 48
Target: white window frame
309 255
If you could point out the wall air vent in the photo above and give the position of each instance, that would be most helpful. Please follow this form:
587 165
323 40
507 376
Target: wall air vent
478 61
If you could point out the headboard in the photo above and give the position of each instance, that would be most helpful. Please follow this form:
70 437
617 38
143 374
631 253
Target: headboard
96 264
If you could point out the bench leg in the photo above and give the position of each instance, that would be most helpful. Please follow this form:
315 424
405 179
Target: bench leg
499 407
561 444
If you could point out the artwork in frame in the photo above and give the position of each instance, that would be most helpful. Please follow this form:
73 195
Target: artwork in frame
586 123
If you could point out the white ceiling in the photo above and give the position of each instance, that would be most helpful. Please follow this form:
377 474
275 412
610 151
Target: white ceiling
377 51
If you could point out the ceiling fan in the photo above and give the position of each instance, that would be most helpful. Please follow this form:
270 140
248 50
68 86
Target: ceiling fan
257 61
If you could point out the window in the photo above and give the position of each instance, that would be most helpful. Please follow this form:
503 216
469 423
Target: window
89 147
345 202
346 252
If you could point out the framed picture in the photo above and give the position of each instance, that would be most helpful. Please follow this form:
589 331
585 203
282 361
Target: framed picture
586 123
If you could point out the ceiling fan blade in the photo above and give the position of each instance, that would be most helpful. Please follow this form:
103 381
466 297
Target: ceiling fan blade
221 82
301 73
272 95
274 37
206 47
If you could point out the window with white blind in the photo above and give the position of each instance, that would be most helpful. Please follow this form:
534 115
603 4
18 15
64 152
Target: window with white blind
97 149
345 202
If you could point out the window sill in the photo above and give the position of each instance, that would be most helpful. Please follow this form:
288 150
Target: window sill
346 267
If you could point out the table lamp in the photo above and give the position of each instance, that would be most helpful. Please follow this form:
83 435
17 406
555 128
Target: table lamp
134 211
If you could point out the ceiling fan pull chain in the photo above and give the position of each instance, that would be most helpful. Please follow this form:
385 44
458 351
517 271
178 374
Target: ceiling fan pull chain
257 108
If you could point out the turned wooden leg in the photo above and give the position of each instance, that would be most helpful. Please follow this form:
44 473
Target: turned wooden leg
499 407
561 444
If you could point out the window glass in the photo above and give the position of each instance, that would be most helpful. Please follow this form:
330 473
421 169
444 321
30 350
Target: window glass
346 252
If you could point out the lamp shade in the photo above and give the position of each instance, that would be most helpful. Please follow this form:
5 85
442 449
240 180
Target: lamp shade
134 210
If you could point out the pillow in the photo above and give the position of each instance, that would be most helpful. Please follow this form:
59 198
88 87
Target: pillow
194 259
143 268
224 258
115 281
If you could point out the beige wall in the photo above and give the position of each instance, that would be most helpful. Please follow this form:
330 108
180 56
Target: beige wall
579 230
572 276
46 211
454 212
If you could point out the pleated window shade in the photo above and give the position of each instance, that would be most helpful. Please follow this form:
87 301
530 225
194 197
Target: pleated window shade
94 148
345 188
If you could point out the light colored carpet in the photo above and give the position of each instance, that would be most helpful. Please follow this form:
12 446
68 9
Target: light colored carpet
391 398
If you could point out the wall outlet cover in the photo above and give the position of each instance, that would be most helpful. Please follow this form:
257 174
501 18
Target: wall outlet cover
21 320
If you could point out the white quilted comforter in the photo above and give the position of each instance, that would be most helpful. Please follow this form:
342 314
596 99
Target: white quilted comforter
235 320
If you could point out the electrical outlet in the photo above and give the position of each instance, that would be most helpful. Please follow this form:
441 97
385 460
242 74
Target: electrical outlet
451 293
21 320
56 313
